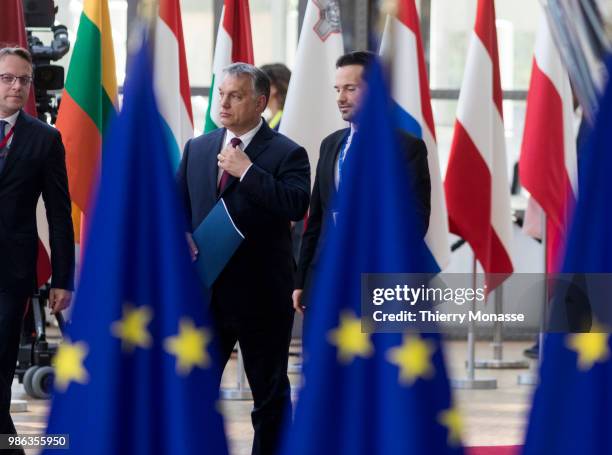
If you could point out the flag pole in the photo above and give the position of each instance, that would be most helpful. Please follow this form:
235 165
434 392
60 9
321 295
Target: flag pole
498 362
470 382
147 11
388 10
146 14
531 377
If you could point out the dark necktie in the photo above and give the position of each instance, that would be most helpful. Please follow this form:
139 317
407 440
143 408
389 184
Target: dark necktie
4 150
235 141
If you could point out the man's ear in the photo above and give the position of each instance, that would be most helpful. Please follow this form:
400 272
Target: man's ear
262 103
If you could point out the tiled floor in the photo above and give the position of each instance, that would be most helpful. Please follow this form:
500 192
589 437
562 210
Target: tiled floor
491 417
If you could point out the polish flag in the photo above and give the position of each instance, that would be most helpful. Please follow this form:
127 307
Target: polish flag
171 78
547 166
476 183
234 44
402 44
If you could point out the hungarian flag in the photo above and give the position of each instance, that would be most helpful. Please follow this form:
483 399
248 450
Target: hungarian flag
13 33
402 45
308 119
547 165
476 184
234 44
88 103
172 79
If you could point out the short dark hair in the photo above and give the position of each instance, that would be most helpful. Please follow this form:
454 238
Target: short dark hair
259 80
279 76
362 58
17 52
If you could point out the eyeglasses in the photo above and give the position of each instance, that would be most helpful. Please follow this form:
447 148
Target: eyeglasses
9 79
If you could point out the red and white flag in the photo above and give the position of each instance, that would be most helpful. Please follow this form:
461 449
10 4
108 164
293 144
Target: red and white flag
547 166
234 44
172 79
402 43
476 183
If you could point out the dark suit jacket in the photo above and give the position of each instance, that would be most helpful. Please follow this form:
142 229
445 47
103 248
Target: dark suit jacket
35 165
325 188
258 279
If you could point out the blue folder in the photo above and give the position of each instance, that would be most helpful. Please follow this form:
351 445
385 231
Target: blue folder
217 239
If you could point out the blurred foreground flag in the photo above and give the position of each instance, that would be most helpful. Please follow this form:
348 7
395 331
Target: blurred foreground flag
311 113
572 407
371 393
135 374
402 44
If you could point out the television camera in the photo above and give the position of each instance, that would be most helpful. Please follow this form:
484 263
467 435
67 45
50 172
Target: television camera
48 78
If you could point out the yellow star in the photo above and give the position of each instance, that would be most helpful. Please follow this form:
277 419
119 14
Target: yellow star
451 419
132 328
590 347
413 358
189 347
68 362
349 339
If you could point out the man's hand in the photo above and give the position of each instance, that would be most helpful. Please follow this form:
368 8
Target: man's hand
193 248
59 299
233 161
297 301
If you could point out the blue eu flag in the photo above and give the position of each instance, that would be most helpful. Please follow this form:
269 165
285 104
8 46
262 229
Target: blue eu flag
572 407
384 393
135 374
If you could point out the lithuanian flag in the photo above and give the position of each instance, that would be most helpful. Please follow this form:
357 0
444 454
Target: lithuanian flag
88 104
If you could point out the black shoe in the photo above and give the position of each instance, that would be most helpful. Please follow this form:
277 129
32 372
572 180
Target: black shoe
533 352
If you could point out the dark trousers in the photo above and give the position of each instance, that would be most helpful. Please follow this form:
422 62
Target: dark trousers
11 317
265 351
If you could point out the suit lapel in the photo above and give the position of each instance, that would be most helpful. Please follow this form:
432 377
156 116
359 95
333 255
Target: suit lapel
259 142
256 147
20 137
212 166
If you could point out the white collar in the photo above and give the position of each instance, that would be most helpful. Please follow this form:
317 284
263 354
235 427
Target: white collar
246 138
11 119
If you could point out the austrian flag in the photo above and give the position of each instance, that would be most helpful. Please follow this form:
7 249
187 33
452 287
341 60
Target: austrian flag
476 184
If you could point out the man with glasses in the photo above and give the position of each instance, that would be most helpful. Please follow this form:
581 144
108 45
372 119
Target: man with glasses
31 163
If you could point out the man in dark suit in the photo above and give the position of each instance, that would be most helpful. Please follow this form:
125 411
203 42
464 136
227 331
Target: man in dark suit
334 148
31 163
264 179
